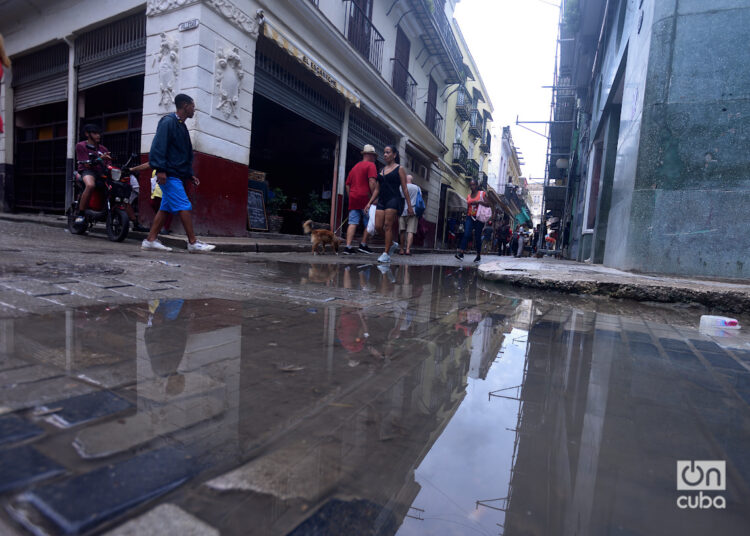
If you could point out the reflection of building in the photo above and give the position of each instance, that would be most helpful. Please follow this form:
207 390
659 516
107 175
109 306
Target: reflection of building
605 413
318 418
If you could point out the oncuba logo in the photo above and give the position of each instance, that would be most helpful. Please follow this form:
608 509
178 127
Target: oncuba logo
699 476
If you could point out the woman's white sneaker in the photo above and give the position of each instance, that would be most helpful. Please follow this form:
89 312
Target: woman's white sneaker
384 258
200 247
155 244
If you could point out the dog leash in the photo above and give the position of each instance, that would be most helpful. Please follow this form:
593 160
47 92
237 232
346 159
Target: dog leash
340 226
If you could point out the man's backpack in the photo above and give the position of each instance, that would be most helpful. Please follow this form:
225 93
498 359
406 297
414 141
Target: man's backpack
419 206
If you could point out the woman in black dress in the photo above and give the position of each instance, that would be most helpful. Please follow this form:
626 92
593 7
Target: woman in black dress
391 182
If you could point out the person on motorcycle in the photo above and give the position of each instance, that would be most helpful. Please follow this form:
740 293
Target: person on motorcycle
86 169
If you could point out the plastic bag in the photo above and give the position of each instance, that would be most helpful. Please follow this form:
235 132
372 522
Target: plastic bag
371 220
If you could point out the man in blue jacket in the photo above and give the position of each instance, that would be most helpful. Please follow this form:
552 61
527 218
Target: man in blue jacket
172 157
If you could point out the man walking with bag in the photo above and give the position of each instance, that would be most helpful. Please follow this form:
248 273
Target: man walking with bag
359 184
172 157
407 223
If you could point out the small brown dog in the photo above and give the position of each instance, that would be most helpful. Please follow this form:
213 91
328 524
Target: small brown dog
320 237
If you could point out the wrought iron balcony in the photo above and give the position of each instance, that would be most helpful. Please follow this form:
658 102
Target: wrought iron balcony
434 121
403 83
460 156
485 142
362 34
463 103
472 168
476 123
438 38
482 178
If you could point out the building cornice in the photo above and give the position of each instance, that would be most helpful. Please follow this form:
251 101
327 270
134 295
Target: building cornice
238 18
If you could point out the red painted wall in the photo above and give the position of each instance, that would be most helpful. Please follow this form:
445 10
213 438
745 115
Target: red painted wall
219 203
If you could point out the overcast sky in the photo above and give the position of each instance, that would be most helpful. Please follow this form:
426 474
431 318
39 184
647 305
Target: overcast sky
513 45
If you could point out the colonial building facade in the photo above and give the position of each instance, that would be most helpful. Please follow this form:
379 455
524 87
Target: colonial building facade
648 147
468 139
288 91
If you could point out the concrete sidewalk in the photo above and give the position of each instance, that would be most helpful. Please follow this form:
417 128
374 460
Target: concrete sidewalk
579 278
255 242
544 274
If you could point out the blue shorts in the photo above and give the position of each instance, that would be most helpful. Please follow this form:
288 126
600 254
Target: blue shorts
174 198
358 216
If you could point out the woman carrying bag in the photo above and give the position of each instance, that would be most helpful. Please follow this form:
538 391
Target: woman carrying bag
479 212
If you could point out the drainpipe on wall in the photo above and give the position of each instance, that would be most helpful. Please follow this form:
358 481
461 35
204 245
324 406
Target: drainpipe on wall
72 120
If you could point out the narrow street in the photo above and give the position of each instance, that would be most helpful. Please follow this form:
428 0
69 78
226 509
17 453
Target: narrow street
262 394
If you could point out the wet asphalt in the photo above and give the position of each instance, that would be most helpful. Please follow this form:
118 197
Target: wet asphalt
258 395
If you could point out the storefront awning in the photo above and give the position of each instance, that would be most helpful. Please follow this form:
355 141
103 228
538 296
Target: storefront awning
310 62
455 201
523 216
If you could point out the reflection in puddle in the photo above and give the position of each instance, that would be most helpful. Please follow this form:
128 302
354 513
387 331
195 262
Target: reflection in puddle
387 400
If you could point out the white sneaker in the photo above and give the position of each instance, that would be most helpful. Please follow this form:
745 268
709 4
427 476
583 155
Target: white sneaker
384 258
200 247
147 244
393 249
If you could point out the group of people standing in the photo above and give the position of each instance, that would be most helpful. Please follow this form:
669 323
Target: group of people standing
392 193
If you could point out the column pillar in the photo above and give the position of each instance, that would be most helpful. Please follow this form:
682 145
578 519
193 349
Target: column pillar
70 150
6 143
339 179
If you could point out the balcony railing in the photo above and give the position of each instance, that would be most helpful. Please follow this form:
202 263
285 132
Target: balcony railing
472 168
460 155
482 178
463 103
403 83
475 123
434 121
439 39
484 143
362 34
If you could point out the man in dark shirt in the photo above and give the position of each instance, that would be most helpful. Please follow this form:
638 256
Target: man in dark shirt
87 169
172 157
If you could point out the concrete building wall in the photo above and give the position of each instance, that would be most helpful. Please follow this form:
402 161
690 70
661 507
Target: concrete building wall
681 184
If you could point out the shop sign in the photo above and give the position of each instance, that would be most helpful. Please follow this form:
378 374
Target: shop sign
309 62
188 25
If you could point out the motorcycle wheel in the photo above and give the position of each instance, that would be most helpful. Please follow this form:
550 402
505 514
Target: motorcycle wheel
73 227
118 225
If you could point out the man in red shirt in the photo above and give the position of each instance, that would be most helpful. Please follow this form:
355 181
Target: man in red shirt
359 184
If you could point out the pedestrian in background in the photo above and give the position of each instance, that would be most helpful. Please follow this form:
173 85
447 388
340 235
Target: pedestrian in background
172 157
407 224
359 186
503 247
472 225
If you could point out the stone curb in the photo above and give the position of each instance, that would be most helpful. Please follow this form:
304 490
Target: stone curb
730 301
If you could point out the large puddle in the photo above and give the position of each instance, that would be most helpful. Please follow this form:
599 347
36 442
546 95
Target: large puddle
380 401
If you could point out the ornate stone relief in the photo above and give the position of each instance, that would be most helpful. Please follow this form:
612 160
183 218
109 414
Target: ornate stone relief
157 7
243 21
236 16
167 59
228 80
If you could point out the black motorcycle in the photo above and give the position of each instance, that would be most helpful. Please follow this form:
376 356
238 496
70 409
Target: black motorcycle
108 201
